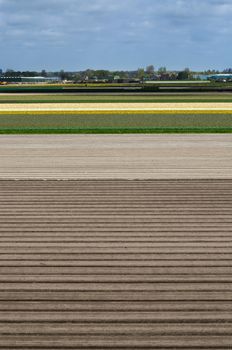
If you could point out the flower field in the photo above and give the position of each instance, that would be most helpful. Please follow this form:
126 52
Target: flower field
102 114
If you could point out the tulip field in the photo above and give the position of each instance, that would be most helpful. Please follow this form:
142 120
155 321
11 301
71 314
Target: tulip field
115 113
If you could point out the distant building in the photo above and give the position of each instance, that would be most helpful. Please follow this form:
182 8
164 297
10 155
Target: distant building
220 77
29 79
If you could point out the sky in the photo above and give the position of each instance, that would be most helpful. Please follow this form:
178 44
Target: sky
115 34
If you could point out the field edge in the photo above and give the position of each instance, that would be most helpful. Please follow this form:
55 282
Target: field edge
119 131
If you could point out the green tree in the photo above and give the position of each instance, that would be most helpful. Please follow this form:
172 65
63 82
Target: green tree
44 73
140 74
162 70
102 74
185 74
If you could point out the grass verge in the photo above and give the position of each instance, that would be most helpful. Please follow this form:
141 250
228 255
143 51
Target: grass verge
124 100
119 131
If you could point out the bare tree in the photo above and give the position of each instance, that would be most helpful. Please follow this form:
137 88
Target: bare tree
150 70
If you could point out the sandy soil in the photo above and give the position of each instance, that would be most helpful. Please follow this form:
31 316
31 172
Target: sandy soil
114 106
116 156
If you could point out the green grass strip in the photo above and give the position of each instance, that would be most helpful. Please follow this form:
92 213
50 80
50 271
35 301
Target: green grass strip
117 101
119 131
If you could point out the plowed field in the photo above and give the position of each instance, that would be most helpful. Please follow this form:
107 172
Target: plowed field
116 264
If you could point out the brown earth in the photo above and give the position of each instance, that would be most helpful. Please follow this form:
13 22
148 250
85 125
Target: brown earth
116 264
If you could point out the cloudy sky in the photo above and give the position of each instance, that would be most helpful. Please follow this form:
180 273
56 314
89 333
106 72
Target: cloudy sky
115 34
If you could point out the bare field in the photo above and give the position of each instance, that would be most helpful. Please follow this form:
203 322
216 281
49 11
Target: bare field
187 156
115 264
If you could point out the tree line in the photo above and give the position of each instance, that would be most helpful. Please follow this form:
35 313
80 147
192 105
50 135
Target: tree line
141 74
